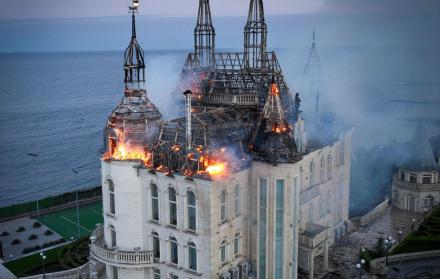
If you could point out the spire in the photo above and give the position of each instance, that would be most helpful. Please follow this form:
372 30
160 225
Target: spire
313 74
255 36
204 36
134 65
273 111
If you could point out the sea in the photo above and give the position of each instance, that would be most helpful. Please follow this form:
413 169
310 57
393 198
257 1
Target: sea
54 104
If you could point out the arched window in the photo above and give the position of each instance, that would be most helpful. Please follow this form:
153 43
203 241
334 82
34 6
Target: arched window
192 211
237 243
328 201
154 202
192 256
112 236
322 169
156 245
329 166
172 198
223 251
237 200
312 173
174 250
111 192
223 206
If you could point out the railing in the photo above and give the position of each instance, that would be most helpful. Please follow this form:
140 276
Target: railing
243 100
415 186
116 257
232 61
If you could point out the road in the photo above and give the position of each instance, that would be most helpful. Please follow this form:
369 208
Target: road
415 269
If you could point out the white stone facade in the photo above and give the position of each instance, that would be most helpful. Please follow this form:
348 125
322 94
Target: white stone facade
416 191
230 227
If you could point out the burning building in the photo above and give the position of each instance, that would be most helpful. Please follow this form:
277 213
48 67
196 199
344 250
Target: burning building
229 190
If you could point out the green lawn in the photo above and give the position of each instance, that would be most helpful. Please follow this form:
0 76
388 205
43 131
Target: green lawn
425 239
64 222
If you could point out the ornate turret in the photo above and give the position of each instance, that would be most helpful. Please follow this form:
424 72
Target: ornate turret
204 36
255 36
132 126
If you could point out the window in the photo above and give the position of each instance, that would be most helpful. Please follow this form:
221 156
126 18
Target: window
402 175
156 272
311 212
172 198
426 179
115 272
112 236
329 167
262 229
413 178
328 202
174 251
192 256
322 169
312 173
154 202
223 252
111 192
428 201
279 227
156 245
237 200
174 276
192 212
237 244
223 206
341 152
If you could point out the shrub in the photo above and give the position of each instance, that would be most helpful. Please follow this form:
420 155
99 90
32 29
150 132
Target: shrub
48 232
5 233
32 237
20 229
16 241
36 225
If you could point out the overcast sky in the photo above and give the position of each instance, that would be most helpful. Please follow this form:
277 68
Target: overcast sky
32 9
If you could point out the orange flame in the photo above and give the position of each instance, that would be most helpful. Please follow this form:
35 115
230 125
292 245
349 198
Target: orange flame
274 90
124 151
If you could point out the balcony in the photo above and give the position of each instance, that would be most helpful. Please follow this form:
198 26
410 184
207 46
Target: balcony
415 186
114 257
313 236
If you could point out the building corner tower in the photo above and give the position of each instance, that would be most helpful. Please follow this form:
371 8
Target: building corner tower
118 246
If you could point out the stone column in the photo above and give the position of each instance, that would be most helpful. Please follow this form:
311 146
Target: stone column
326 255
311 267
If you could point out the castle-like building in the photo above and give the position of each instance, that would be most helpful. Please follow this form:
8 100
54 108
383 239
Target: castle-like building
416 185
234 189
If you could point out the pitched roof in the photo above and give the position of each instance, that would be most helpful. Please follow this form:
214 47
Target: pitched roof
420 155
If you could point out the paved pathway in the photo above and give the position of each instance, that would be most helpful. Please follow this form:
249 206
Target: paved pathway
345 254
